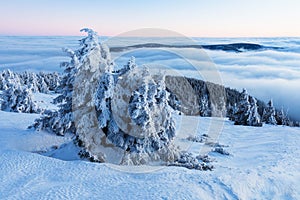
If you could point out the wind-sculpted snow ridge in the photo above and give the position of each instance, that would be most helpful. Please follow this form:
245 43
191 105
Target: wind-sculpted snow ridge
264 165
235 47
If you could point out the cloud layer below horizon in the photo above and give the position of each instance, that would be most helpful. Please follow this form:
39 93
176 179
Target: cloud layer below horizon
268 74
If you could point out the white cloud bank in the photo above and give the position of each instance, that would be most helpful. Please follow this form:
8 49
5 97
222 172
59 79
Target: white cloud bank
266 74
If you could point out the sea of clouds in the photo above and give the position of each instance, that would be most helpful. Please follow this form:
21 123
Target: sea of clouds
267 74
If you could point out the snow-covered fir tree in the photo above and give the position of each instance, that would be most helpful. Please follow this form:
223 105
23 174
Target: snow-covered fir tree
297 124
281 117
31 80
243 112
204 106
174 102
79 73
94 60
18 87
151 129
254 118
130 65
289 121
246 113
61 121
3 84
52 80
7 78
269 114
18 98
2 81
122 96
231 111
148 136
103 99
41 82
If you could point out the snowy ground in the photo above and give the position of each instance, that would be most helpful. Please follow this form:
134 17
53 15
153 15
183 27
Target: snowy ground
264 164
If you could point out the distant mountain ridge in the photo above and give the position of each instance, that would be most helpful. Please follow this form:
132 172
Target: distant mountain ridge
233 47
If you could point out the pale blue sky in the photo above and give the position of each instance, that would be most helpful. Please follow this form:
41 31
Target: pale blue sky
204 18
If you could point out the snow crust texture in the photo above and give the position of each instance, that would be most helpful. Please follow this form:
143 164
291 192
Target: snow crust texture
263 165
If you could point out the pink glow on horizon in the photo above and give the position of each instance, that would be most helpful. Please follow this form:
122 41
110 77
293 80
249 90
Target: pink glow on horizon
215 18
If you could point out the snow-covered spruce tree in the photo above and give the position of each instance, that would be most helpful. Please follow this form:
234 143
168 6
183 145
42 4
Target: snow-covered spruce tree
133 119
297 124
144 134
42 85
125 119
217 99
52 80
243 111
9 78
61 121
187 96
130 65
174 102
3 84
94 60
246 113
41 82
132 122
18 98
204 106
269 114
281 117
231 111
31 80
254 118
291 123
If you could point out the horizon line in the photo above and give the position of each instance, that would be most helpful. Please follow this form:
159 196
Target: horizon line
122 36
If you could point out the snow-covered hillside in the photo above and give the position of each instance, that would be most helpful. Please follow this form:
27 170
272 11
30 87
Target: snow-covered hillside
243 162
263 164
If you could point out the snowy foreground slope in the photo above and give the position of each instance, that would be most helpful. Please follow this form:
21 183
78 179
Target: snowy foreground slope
264 164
